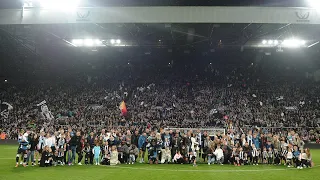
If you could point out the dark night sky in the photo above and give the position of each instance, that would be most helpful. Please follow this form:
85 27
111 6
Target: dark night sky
285 3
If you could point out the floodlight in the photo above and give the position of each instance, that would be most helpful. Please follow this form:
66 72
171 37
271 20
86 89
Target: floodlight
118 41
264 42
270 42
5 80
293 43
77 42
314 4
98 42
60 4
275 42
112 41
88 42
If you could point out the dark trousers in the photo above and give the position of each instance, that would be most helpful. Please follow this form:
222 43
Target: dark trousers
179 161
91 157
125 157
173 151
86 158
80 156
296 162
65 157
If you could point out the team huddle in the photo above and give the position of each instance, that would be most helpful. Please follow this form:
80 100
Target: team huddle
126 147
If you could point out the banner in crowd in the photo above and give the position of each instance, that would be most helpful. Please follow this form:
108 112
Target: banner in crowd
45 112
291 108
279 98
4 109
123 108
95 106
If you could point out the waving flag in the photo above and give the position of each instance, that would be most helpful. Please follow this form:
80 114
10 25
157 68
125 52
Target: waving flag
123 108
4 109
45 112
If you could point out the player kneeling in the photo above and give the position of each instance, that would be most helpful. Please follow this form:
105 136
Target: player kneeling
166 155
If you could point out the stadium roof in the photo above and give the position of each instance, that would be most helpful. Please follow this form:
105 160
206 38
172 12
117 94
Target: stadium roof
206 36
94 3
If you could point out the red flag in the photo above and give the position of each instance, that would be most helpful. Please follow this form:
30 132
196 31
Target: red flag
123 108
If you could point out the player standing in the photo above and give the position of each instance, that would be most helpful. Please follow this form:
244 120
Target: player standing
23 147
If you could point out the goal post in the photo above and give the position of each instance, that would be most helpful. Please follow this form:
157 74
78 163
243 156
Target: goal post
210 131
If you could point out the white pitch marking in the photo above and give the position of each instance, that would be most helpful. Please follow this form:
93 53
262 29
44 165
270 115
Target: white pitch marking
201 170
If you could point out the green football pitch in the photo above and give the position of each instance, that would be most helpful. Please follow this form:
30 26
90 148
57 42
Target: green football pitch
152 172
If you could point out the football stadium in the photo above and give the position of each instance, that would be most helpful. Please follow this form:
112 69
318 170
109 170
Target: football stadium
155 89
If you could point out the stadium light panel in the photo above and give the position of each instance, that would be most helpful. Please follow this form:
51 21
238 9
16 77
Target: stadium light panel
60 4
118 41
98 42
270 42
293 43
112 41
275 42
77 42
88 42
264 42
314 3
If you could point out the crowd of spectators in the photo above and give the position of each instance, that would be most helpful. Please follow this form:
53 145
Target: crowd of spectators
182 96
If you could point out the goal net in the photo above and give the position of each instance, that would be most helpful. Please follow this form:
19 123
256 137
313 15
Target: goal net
210 131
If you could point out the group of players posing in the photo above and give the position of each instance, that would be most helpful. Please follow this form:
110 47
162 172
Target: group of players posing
176 147
44 147
292 157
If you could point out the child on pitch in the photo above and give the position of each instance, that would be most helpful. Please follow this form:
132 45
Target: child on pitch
241 156
255 154
193 156
219 155
234 157
166 155
306 159
296 154
106 158
114 156
87 151
289 157
210 152
276 157
178 158
132 154
96 152
264 156
270 156
303 159
61 150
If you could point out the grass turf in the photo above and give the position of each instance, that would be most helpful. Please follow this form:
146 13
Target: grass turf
154 172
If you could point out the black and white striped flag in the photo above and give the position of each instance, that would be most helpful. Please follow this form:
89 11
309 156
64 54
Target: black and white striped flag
45 112
5 109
